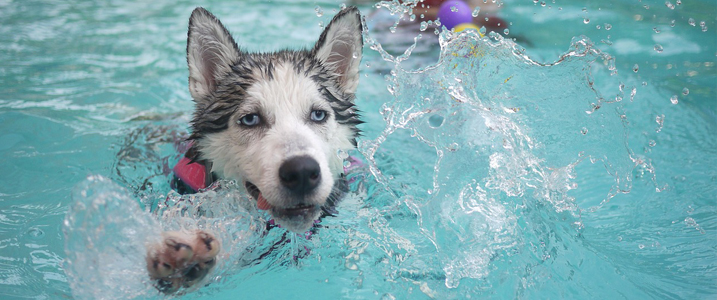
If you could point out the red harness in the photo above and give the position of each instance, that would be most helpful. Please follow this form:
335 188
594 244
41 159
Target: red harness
193 174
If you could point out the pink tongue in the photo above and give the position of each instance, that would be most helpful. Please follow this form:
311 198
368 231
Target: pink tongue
262 204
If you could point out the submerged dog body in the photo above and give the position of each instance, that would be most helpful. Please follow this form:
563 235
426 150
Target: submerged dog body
275 122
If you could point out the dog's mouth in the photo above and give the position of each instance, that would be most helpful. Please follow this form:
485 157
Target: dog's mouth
256 193
279 212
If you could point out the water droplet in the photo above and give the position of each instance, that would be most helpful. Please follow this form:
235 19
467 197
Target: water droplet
506 31
633 92
660 120
476 11
678 2
608 26
35 233
584 131
586 20
342 154
657 30
691 21
486 19
641 246
319 11
536 1
424 26
454 9
673 99
652 143
412 18
453 147
597 27
435 121
543 4
703 25
646 6
347 164
635 68
392 29
658 48
342 6
685 91
669 5
321 24
672 23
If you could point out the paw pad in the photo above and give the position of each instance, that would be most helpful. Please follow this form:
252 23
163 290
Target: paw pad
182 259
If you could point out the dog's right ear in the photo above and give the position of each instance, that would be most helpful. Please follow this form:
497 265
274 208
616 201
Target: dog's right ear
211 51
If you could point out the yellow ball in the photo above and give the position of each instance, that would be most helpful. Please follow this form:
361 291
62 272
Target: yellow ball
464 26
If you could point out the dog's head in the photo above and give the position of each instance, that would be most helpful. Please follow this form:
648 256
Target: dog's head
276 121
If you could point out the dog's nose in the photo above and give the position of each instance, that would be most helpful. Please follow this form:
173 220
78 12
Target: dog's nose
300 174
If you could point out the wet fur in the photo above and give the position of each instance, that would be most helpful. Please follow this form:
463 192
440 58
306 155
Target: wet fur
283 88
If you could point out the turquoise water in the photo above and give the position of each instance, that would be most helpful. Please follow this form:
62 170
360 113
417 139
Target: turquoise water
578 162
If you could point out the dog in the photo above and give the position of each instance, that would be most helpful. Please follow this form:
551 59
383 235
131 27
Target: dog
274 122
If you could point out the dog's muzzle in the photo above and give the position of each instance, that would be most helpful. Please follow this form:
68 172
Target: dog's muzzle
300 175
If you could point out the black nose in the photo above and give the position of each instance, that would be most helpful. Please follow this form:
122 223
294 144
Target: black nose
300 174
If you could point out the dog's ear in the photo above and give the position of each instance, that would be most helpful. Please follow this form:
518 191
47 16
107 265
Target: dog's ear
211 51
340 47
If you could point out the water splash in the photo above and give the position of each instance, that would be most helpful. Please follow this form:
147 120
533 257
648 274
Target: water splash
107 234
499 131
105 238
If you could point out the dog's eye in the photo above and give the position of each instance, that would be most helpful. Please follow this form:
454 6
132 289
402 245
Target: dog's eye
318 115
250 120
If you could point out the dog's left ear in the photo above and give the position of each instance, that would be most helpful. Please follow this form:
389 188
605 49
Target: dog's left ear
340 47
211 51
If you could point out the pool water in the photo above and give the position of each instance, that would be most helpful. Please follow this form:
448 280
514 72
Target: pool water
577 161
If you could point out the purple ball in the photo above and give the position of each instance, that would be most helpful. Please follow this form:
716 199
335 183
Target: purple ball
451 18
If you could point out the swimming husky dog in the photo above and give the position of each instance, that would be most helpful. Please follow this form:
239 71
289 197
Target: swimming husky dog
273 122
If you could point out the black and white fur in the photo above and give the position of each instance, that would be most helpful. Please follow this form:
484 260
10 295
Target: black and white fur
283 92
272 121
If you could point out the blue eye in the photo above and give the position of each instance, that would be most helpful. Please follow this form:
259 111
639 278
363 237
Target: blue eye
250 120
318 115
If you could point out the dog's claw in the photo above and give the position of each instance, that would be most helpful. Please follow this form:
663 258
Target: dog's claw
182 259
180 252
210 246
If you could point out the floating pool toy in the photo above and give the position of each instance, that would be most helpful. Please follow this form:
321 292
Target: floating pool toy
454 12
464 26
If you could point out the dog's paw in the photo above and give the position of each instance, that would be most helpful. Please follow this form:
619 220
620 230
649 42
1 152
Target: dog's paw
181 259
